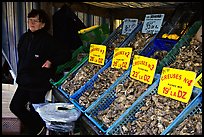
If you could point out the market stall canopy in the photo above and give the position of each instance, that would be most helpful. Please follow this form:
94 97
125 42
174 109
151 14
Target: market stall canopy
121 10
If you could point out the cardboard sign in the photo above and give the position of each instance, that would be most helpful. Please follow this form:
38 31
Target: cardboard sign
198 82
176 84
152 23
129 25
143 69
121 58
97 54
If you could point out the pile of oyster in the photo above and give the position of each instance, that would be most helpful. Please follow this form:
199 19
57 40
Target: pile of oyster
104 81
139 42
112 45
126 94
159 55
190 126
190 57
85 73
154 116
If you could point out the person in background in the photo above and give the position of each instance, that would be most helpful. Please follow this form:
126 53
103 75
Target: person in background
39 56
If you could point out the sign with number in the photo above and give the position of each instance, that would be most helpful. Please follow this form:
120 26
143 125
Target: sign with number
176 84
143 69
198 82
121 58
129 25
152 23
97 54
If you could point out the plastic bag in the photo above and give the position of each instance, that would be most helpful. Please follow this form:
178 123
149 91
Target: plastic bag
58 116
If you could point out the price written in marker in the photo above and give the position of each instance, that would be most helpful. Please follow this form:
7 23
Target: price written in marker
143 69
129 25
178 94
152 23
176 84
97 54
121 58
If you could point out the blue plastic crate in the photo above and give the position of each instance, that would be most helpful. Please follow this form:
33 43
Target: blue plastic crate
129 115
105 100
89 86
158 44
194 107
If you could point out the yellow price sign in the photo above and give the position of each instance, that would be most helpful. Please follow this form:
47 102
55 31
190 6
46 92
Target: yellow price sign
198 82
143 69
97 54
176 84
121 58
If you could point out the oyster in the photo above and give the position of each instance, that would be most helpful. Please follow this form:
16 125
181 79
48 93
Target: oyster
126 94
104 81
190 57
192 125
152 119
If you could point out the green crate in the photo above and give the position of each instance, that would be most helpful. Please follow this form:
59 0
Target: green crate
185 39
95 36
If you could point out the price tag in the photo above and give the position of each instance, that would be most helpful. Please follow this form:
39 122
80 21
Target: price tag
198 82
129 25
176 84
97 54
152 23
143 69
121 58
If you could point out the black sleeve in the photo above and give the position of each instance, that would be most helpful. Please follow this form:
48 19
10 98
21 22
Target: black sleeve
59 54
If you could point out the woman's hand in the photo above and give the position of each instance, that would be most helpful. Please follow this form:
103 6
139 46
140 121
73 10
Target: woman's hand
47 64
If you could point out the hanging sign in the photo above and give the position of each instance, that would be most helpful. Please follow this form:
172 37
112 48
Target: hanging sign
97 54
129 25
143 69
198 82
121 58
152 23
177 84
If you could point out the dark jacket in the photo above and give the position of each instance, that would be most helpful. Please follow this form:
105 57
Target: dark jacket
66 25
34 48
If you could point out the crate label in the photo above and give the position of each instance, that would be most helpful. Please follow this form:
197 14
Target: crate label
129 25
143 69
176 84
198 82
97 54
152 23
121 58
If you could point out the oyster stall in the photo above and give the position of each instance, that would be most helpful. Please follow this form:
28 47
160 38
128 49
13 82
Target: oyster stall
113 103
143 77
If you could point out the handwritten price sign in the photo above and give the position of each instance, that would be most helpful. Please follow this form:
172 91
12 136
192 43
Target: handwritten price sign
121 58
176 84
152 23
143 69
129 25
97 54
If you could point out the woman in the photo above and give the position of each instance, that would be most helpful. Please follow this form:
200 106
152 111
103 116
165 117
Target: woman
37 63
